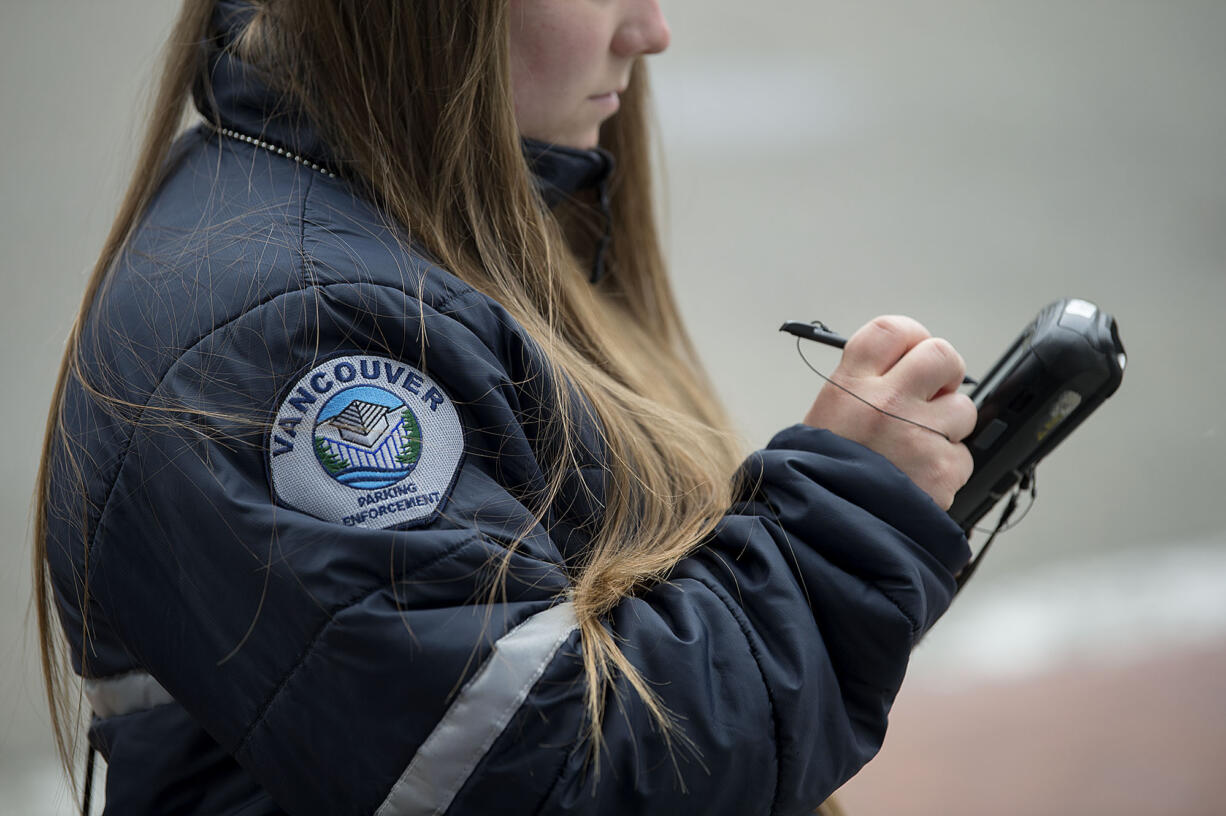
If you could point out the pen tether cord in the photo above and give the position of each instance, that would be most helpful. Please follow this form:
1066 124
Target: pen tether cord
1025 483
854 395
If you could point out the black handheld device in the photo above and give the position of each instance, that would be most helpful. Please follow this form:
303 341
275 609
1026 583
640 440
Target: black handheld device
1054 375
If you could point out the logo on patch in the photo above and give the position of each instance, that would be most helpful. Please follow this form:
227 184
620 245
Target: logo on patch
366 437
365 441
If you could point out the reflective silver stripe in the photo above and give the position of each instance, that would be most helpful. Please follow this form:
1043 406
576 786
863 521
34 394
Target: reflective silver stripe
479 714
125 694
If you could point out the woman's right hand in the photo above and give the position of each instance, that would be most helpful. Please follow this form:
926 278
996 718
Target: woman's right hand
895 364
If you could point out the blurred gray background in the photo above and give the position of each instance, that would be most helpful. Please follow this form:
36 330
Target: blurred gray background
962 162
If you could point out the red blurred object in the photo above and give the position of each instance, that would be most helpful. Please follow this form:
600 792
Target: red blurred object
1144 738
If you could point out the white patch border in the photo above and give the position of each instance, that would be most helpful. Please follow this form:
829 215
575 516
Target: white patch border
299 481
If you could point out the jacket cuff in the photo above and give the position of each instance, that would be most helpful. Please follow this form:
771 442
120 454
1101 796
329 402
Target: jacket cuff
874 483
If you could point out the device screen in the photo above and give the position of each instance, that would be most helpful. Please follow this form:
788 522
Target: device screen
1015 355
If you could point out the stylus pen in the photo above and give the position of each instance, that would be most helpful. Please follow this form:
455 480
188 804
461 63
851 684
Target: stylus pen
819 332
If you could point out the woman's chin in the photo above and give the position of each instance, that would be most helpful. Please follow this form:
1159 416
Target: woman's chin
583 135
584 141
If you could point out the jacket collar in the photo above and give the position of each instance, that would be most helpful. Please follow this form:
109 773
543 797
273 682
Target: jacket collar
562 172
242 101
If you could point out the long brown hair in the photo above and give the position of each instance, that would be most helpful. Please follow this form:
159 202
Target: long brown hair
414 98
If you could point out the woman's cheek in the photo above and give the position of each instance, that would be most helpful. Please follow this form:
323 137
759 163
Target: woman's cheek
559 58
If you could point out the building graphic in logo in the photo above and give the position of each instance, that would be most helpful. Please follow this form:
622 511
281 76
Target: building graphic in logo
367 438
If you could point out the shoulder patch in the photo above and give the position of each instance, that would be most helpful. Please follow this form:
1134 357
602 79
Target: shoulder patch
365 441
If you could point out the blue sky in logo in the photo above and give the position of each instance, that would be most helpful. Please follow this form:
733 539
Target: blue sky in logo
366 393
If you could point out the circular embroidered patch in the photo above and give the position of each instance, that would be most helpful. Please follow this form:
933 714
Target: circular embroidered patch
365 441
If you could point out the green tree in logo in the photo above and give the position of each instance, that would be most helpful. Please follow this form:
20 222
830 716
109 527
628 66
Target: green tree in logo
330 460
410 449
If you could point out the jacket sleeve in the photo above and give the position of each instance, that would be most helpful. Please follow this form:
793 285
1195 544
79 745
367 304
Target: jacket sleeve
778 647
357 669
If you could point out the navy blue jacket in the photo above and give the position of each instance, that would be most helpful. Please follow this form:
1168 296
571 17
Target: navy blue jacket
290 527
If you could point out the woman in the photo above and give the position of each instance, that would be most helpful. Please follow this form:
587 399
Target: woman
381 476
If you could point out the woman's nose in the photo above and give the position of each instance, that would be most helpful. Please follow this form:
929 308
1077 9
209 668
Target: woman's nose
643 31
